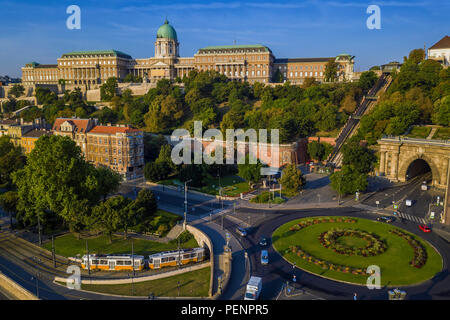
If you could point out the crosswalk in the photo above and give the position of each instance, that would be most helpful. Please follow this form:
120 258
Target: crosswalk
412 218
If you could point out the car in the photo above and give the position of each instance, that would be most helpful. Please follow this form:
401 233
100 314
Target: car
241 231
409 203
263 241
386 219
424 228
264 257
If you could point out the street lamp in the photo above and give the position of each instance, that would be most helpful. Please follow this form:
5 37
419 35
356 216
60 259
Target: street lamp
185 202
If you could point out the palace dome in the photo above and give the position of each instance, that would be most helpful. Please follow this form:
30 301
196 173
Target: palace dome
166 31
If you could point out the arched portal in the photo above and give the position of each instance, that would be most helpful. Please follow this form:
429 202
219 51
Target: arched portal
416 168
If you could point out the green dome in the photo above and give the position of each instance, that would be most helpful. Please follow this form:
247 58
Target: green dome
166 31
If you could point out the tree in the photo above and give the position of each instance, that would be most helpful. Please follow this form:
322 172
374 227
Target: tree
250 172
416 56
8 201
348 180
56 179
107 180
309 82
319 151
277 76
292 178
17 90
359 157
108 216
11 160
367 80
156 171
146 200
108 89
331 70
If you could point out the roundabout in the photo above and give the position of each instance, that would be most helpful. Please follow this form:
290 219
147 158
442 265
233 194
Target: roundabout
342 248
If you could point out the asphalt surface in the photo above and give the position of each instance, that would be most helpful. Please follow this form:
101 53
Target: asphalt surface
278 271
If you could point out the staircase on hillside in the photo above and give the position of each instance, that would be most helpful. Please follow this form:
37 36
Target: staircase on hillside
352 124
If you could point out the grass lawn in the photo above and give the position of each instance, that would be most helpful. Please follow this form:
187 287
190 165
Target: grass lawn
192 284
442 134
68 245
394 262
231 185
419 132
329 134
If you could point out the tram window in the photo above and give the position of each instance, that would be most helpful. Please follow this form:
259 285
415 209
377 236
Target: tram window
94 261
171 258
150 260
119 263
103 261
127 263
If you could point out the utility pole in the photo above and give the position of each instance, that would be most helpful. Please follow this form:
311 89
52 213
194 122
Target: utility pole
88 262
132 267
185 203
39 229
53 251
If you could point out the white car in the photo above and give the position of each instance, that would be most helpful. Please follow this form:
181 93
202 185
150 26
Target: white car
408 203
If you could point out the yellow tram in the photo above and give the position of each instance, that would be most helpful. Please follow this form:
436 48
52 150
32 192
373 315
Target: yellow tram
172 258
117 262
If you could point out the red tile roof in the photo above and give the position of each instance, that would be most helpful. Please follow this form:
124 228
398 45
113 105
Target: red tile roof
80 124
444 43
112 130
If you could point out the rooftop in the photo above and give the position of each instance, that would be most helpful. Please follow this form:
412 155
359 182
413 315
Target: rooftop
81 125
444 43
242 46
36 133
113 129
286 60
114 53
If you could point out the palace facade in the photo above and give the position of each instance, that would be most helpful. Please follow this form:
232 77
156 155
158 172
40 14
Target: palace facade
252 63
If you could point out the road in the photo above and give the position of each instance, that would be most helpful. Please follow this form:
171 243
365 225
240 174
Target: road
278 271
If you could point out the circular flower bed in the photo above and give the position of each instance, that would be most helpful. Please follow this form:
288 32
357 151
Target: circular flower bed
374 246
420 254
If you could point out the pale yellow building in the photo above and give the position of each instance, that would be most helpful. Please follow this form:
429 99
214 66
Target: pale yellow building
252 63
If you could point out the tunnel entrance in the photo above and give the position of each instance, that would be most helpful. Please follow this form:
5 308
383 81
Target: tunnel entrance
416 168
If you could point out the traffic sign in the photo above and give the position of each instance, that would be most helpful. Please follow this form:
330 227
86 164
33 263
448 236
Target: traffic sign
396 206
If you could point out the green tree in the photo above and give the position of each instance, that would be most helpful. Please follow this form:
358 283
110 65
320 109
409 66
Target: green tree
56 179
108 89
250 172
367 80
147 201
108 216
11 160
360 158
17 90
348 180
292 178
319 151
107 181
9 201
277 76
331 69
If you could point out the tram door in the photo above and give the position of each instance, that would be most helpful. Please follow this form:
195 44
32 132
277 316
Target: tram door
156 263
112 265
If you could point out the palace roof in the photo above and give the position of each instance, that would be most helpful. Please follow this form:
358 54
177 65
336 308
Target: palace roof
114 53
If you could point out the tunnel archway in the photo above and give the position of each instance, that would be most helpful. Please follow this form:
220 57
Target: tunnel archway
418 167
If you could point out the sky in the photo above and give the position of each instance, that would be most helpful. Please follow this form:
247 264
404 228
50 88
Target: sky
35 30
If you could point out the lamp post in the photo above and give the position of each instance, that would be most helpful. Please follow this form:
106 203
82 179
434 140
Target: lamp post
185 203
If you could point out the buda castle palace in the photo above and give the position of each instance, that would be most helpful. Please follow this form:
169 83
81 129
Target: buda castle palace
252 63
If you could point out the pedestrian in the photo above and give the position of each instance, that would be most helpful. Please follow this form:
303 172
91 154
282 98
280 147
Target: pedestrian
355 296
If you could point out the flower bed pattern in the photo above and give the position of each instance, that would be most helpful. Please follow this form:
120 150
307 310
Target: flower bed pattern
374 247
304 224
319 262
325 265
420 254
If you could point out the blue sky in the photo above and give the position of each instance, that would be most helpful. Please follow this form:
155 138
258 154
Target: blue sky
36 30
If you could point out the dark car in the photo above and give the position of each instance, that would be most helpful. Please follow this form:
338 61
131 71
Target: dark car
386 219
241 231
263 241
